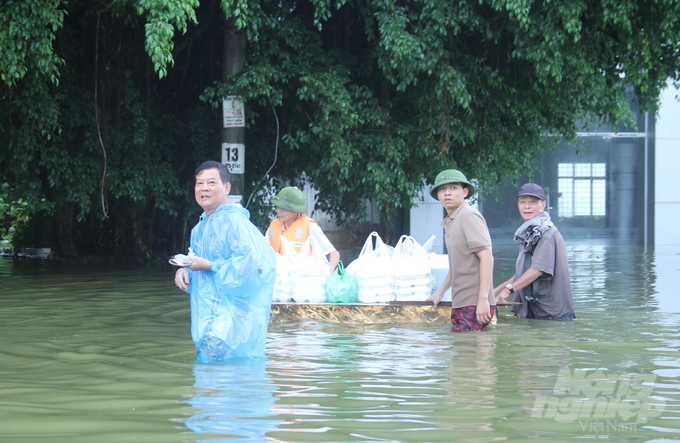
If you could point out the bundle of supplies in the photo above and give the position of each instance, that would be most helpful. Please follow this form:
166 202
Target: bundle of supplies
284 264
372 268
341 286
309 273
412 271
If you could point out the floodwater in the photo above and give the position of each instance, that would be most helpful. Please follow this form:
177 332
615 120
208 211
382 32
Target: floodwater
103 354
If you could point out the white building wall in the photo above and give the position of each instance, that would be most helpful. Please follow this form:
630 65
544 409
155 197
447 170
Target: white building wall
667 195
426 218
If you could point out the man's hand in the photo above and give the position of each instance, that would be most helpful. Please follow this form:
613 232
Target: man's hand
483 312
197 264
182 279
436 298
502 295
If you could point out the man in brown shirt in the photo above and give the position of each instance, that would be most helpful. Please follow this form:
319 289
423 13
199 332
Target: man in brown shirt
468 243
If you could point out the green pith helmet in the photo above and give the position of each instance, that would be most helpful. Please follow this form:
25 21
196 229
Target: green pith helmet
291 199
451 176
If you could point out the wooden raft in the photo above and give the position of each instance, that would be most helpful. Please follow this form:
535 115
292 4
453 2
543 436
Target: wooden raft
362 313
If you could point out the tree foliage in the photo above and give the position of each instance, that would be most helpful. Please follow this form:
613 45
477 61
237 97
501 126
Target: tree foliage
109 106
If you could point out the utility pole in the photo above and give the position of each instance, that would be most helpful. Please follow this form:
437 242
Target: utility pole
233 112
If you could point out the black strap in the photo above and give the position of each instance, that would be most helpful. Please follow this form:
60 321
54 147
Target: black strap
533 287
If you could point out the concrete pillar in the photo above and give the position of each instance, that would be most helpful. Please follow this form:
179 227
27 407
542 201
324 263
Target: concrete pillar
234 59
623 190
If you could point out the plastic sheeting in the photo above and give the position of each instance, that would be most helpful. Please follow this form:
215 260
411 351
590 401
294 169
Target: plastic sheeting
230 305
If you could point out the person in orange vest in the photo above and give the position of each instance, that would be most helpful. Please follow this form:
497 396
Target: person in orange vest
295 226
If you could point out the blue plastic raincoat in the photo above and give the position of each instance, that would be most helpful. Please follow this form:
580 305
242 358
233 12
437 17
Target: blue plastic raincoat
230 305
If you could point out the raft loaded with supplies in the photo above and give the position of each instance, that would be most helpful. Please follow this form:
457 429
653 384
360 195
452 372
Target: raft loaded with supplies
391 284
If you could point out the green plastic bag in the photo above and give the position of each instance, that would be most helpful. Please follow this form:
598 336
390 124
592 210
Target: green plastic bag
341 287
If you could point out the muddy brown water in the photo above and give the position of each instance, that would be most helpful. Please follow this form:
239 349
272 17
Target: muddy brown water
104 354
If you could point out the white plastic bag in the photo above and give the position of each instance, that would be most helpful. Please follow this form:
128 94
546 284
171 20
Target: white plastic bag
412 271
372 269
427 246
309 274
284 265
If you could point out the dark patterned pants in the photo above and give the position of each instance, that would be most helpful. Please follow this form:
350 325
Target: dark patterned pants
465 319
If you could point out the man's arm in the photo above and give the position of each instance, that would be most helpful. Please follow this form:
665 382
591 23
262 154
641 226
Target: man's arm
524 280
199 264
325 245
485 278
498 289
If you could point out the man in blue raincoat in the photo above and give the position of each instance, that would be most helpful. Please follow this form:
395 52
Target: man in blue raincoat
231 275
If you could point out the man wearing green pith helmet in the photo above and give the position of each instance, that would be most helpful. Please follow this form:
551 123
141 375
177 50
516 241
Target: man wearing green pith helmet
468 243
295 226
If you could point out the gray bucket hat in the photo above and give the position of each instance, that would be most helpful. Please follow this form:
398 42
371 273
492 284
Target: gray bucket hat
451 176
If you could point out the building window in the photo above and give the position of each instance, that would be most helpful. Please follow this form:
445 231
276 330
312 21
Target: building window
582 189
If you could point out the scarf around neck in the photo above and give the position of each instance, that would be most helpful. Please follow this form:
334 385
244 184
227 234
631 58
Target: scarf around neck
532 230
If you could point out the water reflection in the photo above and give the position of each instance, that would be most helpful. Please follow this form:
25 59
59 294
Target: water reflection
665 274
234 401
346 384
473 383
